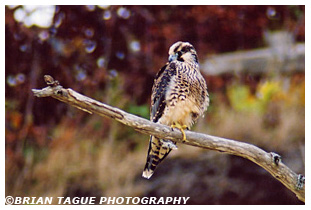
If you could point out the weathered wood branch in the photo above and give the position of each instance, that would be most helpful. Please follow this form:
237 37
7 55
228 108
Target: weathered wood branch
281 54
271 162
256 61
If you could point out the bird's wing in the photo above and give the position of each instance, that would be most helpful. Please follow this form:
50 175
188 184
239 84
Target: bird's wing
157 151
159 89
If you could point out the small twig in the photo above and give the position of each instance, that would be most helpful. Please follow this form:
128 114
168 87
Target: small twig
271 162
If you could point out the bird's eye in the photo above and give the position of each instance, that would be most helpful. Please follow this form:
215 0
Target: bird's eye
178 54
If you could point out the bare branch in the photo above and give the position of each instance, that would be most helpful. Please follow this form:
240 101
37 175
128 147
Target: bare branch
282 54
271 162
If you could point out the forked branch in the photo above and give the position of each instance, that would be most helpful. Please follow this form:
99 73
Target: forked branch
271 162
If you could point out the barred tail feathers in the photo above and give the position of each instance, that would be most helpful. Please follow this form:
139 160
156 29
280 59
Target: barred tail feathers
156 153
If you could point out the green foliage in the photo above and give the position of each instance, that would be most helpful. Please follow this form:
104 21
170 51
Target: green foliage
241 99
267 92
142 110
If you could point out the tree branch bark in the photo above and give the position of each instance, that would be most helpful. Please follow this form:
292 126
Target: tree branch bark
271 162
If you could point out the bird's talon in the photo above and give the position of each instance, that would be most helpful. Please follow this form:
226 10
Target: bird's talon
181 128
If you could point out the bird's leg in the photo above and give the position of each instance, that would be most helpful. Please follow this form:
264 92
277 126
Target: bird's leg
181 128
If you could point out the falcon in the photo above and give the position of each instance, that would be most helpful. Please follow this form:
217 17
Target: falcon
179 97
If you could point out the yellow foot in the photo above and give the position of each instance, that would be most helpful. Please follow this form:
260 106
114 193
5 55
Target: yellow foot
181 128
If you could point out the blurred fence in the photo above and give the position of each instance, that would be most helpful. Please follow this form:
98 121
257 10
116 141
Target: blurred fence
282 55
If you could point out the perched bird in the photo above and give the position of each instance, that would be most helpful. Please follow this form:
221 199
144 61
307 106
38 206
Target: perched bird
179 97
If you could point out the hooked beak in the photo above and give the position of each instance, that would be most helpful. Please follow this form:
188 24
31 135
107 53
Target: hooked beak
172 58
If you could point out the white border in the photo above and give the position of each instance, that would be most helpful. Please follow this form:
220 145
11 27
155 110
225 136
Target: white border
171 2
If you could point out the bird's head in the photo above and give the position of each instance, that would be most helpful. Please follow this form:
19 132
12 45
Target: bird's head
182 51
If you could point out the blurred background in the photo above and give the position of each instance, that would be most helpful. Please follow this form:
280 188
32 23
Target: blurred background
252 57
